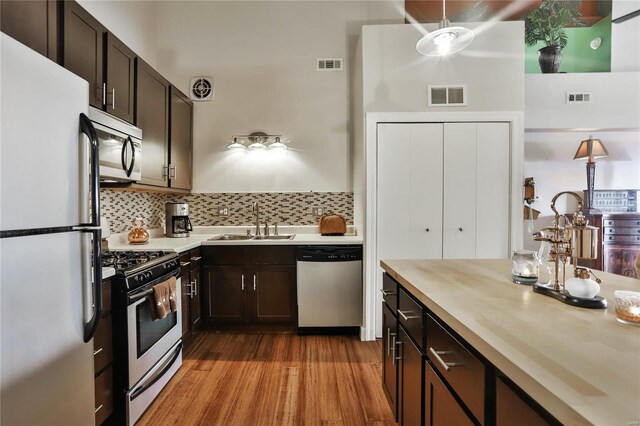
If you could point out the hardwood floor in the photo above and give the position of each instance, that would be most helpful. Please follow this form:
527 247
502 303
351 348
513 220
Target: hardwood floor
274 379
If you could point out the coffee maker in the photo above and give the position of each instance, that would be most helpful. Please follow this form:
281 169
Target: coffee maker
177 220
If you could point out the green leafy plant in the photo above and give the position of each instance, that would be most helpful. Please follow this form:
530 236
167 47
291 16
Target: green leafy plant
547 22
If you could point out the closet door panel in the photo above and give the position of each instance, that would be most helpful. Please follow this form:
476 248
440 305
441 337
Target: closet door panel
459 228
409 223
492 188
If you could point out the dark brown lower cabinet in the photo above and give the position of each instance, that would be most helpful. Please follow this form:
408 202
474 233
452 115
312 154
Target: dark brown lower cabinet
249 285
440 407
104 395
410 370
103 358
511 409
389 366
191 290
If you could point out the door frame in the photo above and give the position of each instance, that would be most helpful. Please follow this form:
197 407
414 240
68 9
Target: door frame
368 196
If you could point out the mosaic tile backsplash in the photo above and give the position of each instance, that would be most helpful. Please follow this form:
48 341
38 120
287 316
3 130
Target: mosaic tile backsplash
286 208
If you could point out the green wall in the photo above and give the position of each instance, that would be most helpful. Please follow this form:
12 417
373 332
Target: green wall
578 55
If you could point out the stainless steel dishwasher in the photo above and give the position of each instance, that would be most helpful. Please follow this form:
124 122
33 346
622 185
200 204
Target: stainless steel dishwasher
329 289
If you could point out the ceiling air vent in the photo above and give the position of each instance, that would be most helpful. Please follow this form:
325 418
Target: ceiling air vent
330 64
201 89
454 95
578 97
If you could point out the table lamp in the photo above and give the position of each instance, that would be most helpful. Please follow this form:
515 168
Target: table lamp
591 149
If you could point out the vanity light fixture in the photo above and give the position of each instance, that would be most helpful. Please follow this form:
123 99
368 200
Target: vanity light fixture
258 141
446 39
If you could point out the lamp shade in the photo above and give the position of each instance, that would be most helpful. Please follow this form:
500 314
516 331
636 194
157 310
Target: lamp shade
591 149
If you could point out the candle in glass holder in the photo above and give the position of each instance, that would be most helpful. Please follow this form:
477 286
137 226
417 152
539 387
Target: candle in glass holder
524 268
627 307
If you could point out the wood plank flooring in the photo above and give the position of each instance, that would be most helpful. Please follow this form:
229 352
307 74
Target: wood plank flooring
274 379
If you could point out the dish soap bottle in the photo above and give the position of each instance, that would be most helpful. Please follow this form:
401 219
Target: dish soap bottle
138 235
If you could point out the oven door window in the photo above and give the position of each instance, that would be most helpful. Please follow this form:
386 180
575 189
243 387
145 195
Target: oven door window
149 331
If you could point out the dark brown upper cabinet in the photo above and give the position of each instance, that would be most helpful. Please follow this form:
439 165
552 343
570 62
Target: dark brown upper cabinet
120 79
33 23
180 140
152 116
83 54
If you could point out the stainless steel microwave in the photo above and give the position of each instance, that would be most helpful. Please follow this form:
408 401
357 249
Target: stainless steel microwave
120 147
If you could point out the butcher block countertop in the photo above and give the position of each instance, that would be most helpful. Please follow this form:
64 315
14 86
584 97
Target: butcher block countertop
580 364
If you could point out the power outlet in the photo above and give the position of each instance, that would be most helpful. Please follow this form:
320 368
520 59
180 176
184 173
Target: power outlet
317 211
223 211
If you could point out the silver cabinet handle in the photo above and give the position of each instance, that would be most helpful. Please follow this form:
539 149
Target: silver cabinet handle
446 365
254 282
98 409
185 263
104 93
393 351
195 259
195 287
242 282
398 358
113 98
407 317
387 292
388 341
97 352
461 229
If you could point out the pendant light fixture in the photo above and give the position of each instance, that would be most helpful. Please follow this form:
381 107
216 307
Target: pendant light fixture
446 39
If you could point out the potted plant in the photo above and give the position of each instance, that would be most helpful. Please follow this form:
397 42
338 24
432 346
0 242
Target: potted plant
546 24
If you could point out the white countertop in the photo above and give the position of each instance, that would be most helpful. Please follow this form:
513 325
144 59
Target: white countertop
108 272
304 235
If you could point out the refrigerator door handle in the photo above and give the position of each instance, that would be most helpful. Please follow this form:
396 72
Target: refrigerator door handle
87 128
128 169
94 286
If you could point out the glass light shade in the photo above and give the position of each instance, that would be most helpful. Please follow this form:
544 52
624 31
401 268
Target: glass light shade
235 144
591 149
445 41
278 145
257 145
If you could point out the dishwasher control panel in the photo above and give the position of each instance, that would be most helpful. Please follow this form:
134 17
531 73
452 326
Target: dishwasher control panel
342 253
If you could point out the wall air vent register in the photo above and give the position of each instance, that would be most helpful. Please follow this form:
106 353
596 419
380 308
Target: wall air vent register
452 95
201 89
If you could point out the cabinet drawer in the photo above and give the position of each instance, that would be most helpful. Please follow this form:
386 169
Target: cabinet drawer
272 255
185 263
623 223
104 395
461 369
411 317
103 345
218 255
440 407
390 293
631 239
106 297
195 257
621 231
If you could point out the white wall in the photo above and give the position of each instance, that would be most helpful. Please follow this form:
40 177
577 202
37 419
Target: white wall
132 21
615 101
262 56
625 51
396 76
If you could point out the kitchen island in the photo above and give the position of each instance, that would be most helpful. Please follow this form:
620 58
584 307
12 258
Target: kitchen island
580 365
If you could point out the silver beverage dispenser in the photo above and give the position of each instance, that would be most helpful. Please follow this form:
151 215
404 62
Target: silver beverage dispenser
177 223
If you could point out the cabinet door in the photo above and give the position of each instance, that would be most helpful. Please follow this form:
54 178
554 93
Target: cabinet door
511 409
152 116
194 300
273 290
83 49
226 293
492 189
120 78
180 140
33 23
411 371
185 290
459 229
389 366
620 259
440 407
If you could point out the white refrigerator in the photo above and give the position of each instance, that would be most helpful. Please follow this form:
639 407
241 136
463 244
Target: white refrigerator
50 294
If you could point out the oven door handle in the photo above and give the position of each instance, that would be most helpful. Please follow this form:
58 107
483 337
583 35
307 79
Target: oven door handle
147 384
141 294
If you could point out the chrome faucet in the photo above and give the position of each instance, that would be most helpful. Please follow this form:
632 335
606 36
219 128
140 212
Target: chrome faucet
256 210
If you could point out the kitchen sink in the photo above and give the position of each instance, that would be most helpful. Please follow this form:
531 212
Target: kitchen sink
231 237
274 237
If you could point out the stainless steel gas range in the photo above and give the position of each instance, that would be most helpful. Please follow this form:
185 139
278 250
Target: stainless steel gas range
147 352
